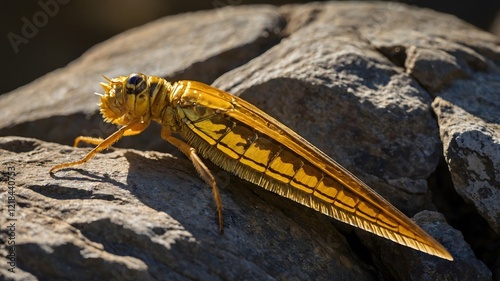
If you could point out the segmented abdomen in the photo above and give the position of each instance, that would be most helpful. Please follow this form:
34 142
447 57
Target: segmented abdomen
237 148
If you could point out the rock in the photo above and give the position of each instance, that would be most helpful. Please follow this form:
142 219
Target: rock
327 94
148 216
470 129
391 260
361 81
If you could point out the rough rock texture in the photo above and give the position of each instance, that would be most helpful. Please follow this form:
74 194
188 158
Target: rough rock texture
385 89
390 262
147 216
470 131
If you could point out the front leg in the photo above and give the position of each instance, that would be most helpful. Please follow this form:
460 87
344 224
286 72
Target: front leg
202 170
133 129
130 129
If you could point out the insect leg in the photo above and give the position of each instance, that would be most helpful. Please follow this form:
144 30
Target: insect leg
202 170
133 130
89 140
130 129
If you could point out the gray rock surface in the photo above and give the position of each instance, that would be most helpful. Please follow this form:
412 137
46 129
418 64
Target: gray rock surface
132 215
334 88
469 118
385 89
390 260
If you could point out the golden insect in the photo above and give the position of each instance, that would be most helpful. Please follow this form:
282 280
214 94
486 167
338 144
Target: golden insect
247 142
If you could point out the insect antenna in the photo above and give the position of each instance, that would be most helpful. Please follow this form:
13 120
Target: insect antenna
109 80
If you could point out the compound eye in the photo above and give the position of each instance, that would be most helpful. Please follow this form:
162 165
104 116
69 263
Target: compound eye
136 83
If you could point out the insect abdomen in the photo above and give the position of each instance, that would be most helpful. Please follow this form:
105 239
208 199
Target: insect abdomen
236 148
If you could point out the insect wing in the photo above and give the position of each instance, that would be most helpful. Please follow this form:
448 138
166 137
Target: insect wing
267 153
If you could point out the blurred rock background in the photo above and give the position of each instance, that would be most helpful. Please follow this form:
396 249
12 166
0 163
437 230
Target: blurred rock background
64 29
